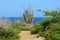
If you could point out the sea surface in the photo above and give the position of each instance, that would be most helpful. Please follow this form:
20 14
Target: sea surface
36 19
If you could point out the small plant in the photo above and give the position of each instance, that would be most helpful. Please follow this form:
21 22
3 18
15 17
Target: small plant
24 29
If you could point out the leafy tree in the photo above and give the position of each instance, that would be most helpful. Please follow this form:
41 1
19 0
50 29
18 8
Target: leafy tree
49 27
55 15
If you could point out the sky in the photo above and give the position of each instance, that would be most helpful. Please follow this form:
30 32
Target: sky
15 8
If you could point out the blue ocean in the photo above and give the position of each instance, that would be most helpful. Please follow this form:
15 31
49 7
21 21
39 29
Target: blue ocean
36 19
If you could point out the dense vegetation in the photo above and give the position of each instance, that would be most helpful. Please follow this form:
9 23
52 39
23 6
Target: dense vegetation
8 31
49 27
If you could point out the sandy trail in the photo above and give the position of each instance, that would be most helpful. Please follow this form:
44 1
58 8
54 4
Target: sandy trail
26 35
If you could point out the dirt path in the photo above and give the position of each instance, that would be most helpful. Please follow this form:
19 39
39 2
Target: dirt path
26 35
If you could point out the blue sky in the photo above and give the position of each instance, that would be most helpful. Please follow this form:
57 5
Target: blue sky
15 8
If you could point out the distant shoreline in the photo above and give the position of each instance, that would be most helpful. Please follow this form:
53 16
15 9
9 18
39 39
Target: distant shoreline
36 19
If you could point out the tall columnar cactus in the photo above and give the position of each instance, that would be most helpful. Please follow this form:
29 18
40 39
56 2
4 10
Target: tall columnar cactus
28 16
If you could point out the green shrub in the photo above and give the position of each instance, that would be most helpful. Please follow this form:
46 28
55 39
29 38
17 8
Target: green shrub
52 31
37 28
10 33
7 34
24 29
55 31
